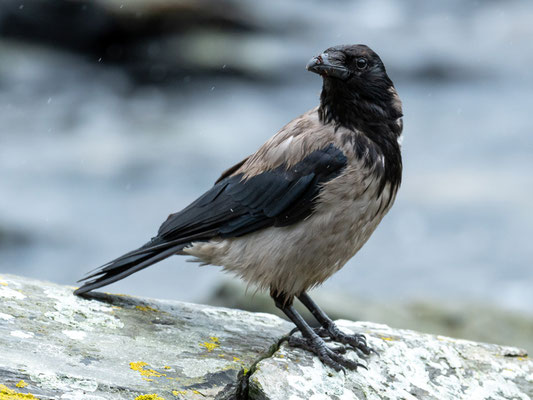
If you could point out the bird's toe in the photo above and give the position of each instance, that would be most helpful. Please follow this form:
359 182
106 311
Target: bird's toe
330 356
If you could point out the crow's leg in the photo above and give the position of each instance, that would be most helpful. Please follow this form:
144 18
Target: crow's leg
310 340
329 329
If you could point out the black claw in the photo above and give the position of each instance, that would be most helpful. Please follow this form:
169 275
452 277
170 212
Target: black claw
346 362
330 356
340 349
356 341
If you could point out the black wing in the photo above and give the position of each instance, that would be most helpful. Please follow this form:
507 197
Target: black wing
233 207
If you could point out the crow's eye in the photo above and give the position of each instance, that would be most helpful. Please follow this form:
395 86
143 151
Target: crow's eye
361 63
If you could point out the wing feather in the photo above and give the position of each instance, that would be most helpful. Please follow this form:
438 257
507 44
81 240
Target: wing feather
236 205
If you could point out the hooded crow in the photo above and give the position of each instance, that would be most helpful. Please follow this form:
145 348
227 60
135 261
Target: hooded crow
293 213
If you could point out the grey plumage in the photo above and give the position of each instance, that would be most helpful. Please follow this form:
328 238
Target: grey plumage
294 212
348 208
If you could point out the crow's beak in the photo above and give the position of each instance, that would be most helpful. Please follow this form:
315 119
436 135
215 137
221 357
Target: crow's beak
322 65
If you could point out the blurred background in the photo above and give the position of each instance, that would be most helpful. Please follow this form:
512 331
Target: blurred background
115 113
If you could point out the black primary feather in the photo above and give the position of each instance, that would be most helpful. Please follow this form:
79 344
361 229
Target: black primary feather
233 207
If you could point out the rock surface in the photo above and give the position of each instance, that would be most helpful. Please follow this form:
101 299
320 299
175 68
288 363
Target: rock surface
123 347
410 365
54 345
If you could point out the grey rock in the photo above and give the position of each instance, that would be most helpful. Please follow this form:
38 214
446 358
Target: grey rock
409 365
122 347
58 346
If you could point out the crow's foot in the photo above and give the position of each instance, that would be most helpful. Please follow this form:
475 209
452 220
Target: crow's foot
357 341
329 356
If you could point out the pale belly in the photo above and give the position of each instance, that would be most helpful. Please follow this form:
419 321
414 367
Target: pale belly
293 259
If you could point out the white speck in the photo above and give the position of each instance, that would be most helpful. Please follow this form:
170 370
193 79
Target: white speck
400 140
10 293
122 6
224 66
382 160
100 59
6 317
49 100
22 335
212 88
76 335
21 6
231 209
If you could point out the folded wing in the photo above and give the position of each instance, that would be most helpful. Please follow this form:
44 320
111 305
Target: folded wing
236 206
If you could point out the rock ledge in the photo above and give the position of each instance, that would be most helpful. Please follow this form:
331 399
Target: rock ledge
54 345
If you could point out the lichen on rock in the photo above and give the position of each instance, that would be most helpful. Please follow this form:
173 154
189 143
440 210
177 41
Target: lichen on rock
10 394
408 365
55 345
122 347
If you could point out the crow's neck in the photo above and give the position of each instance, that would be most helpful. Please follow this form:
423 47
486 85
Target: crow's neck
377 117
347 107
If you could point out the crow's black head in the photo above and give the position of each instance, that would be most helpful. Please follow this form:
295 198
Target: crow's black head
356 86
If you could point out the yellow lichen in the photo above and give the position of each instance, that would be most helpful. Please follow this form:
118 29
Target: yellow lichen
139 366
2 283
149 397
178 392
235 359
9 394
388 339
212 345
146 308
167 367
209 346
21 384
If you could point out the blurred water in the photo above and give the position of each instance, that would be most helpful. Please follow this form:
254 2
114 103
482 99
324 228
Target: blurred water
92 163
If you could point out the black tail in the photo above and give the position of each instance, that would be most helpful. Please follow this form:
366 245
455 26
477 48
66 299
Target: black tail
127 264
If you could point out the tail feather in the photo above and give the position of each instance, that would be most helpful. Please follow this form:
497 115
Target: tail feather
121 262
124 266
153 246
